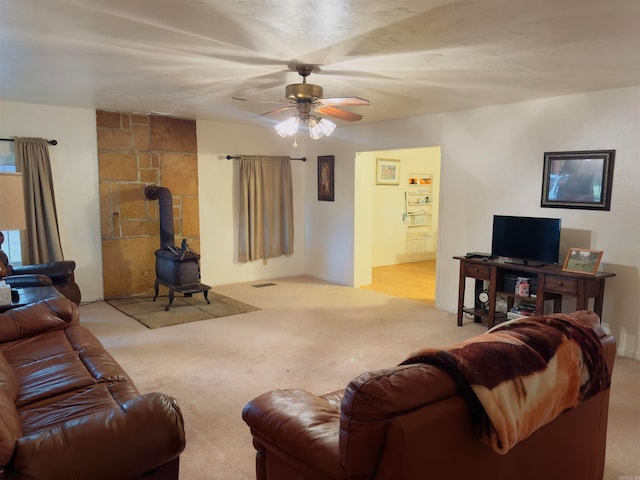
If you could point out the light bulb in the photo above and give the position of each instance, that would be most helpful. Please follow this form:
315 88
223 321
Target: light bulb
327 126
314 129
288 127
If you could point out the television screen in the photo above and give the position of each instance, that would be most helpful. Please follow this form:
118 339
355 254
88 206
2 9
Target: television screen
526 239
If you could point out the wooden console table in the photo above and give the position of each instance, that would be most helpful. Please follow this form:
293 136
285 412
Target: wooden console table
552 284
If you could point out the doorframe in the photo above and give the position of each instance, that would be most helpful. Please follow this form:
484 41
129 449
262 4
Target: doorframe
364 183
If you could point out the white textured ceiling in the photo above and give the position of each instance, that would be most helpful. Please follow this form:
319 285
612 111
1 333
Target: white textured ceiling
189 57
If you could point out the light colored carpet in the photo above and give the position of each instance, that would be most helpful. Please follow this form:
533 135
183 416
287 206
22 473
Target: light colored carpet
307 334
183 309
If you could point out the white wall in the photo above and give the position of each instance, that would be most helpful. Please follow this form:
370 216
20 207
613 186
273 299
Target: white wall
492 163
330 233
74 168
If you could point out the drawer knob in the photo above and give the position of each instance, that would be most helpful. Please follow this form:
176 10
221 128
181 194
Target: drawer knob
477 269
560 283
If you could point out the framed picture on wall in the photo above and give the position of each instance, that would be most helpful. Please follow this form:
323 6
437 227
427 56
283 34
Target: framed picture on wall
387 171
578 179
581 260
325 178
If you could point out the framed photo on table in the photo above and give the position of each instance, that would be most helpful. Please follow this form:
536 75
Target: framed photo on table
578 179
581 260
326 178
387 171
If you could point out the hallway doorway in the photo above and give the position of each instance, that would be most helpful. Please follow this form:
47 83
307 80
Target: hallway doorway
395 247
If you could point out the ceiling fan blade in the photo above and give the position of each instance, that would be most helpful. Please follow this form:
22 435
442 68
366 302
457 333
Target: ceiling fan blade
259 101
344 101
339 113
277 110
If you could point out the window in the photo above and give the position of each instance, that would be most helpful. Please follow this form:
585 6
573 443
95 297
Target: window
11 245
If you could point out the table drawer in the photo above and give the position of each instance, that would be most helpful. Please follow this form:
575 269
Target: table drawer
475 270
560 284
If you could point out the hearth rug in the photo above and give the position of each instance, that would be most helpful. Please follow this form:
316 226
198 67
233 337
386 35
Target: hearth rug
183 309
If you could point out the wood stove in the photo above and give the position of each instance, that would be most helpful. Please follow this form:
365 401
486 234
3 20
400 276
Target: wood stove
176 268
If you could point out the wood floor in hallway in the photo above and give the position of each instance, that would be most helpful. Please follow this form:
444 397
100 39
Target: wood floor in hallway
416 281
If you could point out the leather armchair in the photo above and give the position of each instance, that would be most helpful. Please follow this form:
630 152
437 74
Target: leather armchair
411 422
58 274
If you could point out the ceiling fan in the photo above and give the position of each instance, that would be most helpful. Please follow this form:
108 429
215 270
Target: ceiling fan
306 99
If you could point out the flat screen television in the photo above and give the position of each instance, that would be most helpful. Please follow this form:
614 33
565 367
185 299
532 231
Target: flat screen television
528 240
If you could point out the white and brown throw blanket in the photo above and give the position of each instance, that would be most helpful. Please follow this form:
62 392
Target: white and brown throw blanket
522 374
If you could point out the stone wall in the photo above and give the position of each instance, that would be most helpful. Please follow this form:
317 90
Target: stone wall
134 151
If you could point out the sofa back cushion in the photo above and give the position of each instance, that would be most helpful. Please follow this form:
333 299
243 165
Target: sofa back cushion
372 399
10 426
53 314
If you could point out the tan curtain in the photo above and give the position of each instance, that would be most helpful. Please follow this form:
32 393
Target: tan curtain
266 208
42 244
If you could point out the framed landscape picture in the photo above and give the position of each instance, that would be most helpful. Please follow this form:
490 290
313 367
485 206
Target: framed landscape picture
578 179
387 171
325 178
581 260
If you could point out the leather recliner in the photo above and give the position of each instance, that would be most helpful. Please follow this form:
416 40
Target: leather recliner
411 422
57 274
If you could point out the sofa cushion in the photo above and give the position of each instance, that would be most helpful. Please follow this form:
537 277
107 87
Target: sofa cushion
54 314
10 428
54 363
75 405
10 425
8 380
129 441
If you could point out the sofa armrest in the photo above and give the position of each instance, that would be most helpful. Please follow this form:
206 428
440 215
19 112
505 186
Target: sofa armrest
28 280
125 442
60 270
299 427
53 314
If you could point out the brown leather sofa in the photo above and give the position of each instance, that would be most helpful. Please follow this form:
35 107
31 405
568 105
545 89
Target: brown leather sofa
411 422
59 274
68 410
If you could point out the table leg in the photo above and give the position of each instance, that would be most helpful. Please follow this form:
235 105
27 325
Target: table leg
598 300
461 285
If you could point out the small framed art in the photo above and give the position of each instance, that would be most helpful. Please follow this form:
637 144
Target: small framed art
419 179
325 178
387 171
581 260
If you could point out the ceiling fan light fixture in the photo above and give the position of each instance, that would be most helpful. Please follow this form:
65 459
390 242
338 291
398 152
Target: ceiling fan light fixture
288 127
314 130
319 128
327 126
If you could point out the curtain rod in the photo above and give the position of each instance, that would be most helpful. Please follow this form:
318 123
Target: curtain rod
50 142
230 157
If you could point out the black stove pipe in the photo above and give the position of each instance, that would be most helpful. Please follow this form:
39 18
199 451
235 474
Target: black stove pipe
163 195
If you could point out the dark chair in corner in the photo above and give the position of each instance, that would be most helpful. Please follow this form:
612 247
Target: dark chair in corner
58 274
